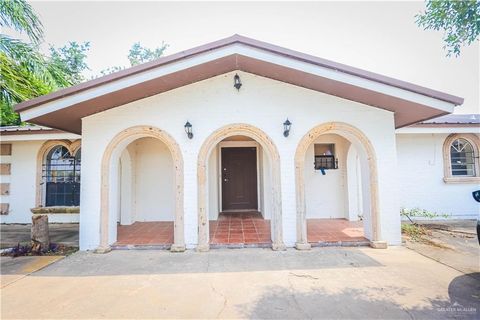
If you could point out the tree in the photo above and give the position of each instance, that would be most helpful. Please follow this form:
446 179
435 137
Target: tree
460 21
70 59
138 55
26 73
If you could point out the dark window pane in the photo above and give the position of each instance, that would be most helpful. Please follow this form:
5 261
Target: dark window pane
61 175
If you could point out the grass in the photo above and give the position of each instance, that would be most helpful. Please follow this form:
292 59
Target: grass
413 231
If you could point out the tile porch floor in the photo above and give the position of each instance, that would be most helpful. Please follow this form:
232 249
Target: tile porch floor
146 233
240 228
334 230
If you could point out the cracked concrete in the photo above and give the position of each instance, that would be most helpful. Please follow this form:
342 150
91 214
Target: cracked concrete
324 283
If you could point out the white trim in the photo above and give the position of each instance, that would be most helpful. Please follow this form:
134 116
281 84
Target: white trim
237 144
407 130
232 49
46 136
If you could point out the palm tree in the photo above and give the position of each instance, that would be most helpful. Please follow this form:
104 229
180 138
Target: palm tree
24 72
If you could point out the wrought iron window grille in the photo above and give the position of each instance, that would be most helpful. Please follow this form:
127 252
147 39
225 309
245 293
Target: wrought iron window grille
325 162
61 178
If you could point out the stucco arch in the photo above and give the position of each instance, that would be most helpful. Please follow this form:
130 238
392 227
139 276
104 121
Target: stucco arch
351 133
72 147
204 153
113 150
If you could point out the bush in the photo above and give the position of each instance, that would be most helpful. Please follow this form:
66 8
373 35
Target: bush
421 213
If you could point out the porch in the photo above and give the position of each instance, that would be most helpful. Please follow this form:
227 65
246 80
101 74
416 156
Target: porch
245 229
335 232
240 229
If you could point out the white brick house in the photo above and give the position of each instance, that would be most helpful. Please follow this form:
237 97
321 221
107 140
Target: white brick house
343 156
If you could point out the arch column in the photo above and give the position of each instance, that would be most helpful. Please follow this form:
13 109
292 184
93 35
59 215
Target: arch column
116 145
205 151
349 131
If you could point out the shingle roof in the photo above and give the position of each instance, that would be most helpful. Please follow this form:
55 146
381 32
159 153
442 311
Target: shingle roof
75 103
471 118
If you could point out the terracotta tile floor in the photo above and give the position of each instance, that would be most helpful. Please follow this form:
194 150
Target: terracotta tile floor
334 230
240 228
146 233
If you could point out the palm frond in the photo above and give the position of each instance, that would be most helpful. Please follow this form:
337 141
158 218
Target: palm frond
19 15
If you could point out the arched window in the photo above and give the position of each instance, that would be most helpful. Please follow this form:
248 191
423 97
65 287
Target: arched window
462 158
461 162
61 177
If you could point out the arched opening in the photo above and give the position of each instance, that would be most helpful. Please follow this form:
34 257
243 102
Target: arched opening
239 189
146 194
336 186
142 191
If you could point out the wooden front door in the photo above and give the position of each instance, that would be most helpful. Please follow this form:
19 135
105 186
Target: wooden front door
239 178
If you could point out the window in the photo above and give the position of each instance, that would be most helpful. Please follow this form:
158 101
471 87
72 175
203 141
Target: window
325 156
462 158
61 177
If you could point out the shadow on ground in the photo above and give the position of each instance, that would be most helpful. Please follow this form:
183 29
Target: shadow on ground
130 262
365 303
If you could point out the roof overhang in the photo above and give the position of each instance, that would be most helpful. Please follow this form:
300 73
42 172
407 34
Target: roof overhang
65 108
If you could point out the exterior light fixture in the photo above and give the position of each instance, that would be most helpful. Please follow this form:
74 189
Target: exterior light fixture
188 130
286 128
236 82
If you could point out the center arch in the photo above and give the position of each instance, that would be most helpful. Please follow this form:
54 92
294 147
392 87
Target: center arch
238 129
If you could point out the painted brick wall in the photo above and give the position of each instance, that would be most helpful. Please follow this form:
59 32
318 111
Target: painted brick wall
214 103
420 165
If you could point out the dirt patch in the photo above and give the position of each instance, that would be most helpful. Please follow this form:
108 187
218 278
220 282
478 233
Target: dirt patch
26 250
458 249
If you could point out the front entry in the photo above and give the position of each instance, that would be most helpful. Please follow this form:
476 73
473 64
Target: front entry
239 179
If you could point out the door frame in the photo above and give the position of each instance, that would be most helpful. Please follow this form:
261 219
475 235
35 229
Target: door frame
238 144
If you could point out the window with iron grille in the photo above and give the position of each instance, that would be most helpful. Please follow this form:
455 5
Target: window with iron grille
325 156
61 177
462 158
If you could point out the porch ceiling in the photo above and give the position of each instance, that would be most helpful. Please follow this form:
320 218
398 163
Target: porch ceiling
64 109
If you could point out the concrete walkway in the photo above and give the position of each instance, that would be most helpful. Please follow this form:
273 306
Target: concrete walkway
328 283
14 269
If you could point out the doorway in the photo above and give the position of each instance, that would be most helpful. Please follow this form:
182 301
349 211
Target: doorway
239 179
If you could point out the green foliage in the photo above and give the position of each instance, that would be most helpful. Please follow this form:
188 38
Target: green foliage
460 21
104 72
139 54
415 232
19 15
70 59
421 213
25 73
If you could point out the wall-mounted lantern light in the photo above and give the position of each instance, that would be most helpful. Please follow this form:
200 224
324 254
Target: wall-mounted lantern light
188 130
236 82
286 128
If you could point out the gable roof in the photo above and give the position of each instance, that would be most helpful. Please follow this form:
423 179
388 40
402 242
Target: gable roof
64 109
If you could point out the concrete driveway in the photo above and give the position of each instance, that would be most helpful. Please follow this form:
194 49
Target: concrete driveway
396 283
451 242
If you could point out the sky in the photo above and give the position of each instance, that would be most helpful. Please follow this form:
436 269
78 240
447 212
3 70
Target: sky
381 37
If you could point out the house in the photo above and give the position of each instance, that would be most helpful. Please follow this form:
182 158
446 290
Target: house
239 142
